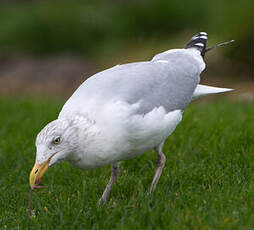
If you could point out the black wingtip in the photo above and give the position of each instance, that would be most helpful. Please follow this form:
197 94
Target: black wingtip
198 42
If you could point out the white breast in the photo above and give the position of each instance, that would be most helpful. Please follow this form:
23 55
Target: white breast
121 134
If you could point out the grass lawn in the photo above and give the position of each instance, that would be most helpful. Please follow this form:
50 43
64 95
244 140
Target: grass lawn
208 181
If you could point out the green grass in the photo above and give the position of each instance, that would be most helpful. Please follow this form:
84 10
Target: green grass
101 28
208 181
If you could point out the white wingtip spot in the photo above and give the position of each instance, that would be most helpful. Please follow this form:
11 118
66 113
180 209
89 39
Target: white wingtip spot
203 33
197 37
199 44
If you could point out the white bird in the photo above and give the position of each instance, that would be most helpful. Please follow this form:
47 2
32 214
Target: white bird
122 112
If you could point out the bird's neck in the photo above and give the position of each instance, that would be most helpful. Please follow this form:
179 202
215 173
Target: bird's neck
83 127
94 147
85 131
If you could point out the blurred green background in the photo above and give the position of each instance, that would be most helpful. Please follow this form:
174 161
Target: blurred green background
52 46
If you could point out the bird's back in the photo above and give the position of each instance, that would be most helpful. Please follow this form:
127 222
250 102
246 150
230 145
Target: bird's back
168 80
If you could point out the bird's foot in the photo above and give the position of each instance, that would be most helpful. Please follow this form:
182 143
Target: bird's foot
160 165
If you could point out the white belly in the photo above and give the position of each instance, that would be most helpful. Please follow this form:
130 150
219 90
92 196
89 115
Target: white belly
147 132
124 135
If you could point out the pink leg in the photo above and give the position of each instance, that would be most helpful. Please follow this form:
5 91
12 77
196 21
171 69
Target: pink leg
160 165
114 174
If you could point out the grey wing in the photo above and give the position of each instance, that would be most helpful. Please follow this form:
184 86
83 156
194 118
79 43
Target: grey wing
167 86
169 83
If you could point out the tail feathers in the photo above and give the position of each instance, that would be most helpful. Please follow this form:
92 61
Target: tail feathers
204 90
198 42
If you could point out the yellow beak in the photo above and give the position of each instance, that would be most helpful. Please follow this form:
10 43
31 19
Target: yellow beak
37 173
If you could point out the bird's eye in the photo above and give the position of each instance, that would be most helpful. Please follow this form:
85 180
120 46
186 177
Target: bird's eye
56 140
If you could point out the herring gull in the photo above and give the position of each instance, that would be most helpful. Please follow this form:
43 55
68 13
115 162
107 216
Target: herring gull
122 112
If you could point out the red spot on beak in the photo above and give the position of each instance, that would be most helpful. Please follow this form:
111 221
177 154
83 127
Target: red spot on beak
38 181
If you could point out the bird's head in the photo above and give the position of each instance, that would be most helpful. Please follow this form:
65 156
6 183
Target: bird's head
54 144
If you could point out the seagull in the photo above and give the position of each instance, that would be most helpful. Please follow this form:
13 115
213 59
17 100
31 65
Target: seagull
122 112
